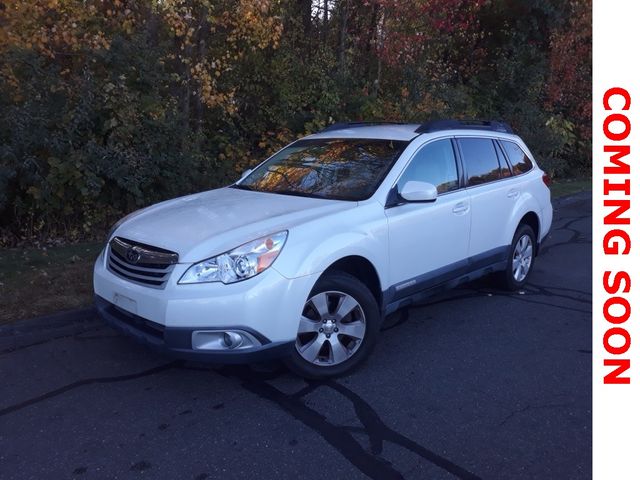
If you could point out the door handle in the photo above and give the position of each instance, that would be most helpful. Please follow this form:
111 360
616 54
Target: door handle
513 193
461 208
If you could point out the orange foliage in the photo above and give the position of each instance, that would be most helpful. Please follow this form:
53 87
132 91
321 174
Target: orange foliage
63 28
570 71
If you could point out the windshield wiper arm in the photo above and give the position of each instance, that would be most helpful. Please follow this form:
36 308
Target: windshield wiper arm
242 187
298 193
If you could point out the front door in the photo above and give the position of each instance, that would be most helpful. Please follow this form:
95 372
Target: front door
428 242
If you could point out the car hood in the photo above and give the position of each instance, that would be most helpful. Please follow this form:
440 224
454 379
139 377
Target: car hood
206 224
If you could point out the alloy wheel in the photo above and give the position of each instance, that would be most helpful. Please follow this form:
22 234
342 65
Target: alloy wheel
331 330
522 256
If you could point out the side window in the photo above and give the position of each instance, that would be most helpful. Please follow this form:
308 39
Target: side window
504 166
480 160
518 159
434 163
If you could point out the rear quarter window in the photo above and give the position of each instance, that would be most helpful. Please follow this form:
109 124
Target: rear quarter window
519 161
504 165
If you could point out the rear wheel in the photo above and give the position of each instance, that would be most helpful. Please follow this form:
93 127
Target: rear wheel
338 327
521 258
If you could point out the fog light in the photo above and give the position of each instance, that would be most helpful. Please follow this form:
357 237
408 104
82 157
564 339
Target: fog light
232 339
223 340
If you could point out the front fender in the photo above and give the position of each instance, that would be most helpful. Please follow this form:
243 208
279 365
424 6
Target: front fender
311 254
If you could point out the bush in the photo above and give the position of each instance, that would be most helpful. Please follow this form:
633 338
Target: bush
107 106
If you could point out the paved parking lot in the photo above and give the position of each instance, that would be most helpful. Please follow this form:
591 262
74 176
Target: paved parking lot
479 383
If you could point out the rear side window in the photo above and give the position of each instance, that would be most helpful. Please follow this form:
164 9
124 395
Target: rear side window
504 166
434 163
480 160
518 159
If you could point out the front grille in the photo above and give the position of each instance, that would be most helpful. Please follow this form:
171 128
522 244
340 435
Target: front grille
140 263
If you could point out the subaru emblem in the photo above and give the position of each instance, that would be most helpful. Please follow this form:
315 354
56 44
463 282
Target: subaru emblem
133 255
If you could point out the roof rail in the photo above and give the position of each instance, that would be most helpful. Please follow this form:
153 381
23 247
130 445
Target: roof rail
343 125
437 125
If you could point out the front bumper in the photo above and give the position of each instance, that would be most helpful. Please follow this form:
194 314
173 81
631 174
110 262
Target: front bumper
175 319
177 341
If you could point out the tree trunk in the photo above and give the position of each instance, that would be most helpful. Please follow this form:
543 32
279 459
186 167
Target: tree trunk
371 41
200 36
343 37
304 10
325 26
379 40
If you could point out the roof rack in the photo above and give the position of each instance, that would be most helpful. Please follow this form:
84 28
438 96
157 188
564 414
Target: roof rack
437 125
343 125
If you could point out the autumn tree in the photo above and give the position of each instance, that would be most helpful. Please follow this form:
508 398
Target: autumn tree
110 105
569 84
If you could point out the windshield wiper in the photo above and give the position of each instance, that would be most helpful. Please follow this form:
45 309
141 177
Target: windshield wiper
242 187
297 193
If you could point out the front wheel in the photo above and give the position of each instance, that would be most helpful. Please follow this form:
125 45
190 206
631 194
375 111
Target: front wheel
339 325
521 258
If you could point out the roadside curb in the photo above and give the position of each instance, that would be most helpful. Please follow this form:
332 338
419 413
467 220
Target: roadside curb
40 330
53 319
571 198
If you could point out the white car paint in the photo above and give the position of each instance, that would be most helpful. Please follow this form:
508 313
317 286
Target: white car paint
205 224
401 243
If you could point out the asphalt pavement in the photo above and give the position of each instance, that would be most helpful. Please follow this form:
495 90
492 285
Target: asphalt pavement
478 383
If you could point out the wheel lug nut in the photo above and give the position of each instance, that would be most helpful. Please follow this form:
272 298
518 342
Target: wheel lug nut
321 329
335 329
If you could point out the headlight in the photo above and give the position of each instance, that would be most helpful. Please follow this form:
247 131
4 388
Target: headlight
243 262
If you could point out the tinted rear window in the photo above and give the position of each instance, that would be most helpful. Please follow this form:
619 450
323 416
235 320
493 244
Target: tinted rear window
520 163
480 160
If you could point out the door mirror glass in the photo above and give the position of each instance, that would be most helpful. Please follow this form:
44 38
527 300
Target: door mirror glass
414 191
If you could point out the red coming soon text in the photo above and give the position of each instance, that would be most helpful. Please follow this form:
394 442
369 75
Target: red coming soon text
617 241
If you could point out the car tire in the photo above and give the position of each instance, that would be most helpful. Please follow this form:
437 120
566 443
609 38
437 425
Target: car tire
338 328
521 258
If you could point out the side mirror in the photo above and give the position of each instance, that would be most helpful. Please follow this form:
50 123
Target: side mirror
413 191
245 174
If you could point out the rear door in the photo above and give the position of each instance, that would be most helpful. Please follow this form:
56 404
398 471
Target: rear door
493 195
428 242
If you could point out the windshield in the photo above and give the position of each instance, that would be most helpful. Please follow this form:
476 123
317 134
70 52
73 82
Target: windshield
340 169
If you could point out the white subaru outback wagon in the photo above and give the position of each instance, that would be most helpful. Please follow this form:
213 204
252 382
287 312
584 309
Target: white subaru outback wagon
305 255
